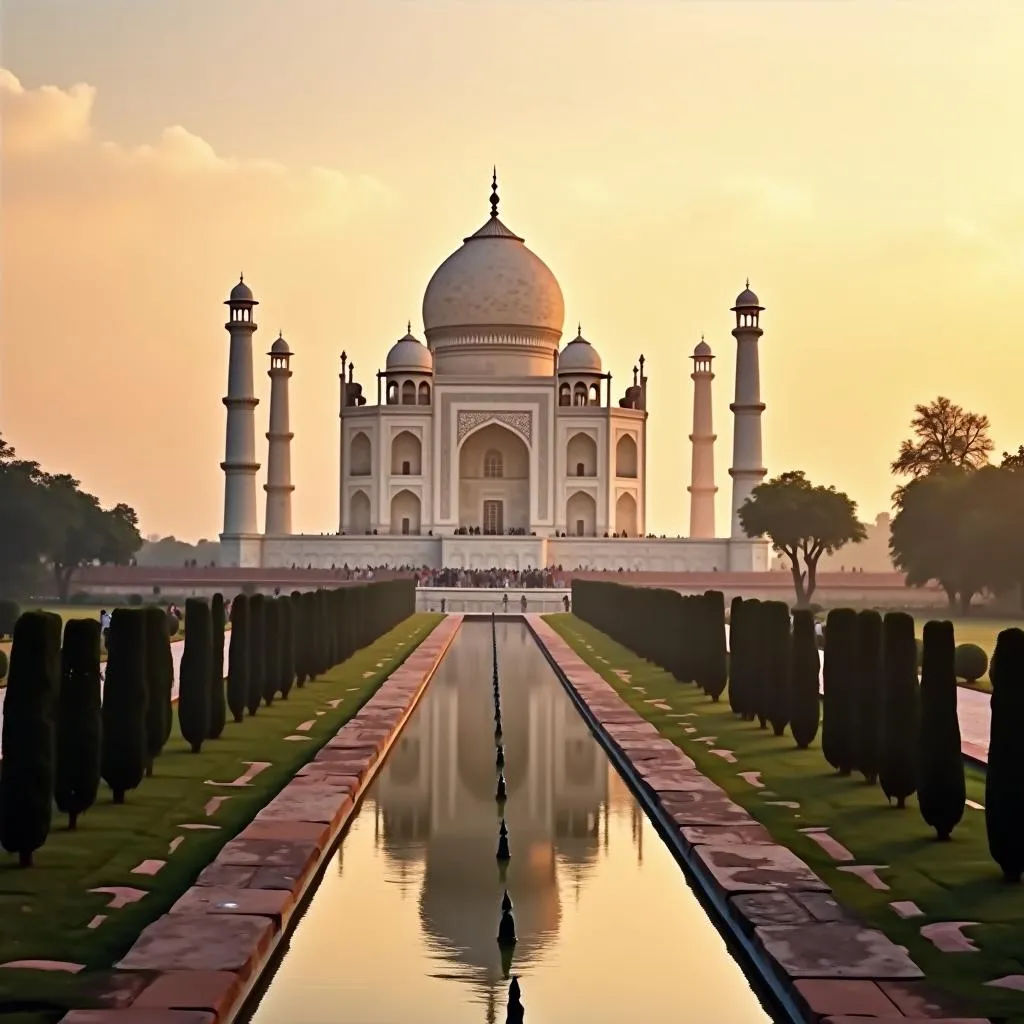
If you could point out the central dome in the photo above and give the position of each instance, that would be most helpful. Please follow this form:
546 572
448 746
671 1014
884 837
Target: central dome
493 308
493 280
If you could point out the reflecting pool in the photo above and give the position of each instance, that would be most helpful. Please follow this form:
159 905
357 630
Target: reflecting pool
403 926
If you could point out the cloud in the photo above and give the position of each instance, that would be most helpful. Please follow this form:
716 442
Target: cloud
36 120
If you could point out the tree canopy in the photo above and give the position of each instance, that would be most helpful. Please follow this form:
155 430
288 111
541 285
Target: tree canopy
960 527
47 522
803 522
945 434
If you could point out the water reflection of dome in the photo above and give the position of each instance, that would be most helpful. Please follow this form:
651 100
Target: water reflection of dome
436 795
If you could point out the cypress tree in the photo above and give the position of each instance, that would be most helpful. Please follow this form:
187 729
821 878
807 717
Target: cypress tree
79 720
271 648
869 694
257 657
298 604
159 685
194 680
26 770
941 788
1004 780
286 670
123 750
717 656
804 698
313 639
238 658
218 639
749 652
897 767
838 730
778 656
736 612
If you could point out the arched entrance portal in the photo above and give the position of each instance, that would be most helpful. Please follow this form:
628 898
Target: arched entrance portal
494 481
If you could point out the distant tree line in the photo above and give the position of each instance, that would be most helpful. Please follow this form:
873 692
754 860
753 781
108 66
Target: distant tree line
48 523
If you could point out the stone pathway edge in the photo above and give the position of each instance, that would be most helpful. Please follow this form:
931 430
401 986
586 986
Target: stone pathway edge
200 962
815 960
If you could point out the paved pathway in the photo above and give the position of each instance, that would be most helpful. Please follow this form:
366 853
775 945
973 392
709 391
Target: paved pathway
177 647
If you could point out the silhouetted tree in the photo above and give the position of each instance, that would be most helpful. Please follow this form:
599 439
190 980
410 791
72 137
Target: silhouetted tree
238 658
803 522
218 703
1004 779
897 770
194 678
123 752
838 729
869 693
805 669
941 788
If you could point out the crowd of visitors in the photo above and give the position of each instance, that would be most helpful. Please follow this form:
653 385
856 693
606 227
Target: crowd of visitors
533 579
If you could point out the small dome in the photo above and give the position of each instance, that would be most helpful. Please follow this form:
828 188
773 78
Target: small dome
703 350
579 356
409 353
280 347
241 292
747 299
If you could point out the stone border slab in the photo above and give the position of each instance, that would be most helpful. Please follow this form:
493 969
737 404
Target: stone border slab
817 959
202 959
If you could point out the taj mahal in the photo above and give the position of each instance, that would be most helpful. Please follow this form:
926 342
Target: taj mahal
491 445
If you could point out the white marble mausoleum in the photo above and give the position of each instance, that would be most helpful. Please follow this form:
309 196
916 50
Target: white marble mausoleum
489 443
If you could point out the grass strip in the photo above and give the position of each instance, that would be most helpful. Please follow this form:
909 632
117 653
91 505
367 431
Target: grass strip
954 881
46 910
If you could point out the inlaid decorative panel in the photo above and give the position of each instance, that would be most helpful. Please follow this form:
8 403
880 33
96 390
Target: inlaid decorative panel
520 422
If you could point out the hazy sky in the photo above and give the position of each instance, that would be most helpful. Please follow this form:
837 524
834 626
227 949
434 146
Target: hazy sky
860 161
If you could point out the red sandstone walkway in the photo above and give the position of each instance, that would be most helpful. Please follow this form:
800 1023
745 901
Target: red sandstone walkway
834 968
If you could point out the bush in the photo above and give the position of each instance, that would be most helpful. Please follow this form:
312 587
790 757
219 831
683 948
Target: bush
897 768
194 676
869 694
257 662
736 612
286 665
238 658
3 664
123 748
716 670
79 720
159 683
1004 780
26 771
173 625
776 644
941 788
838 730
299 634
805 667
218 638
9 614
271 648
970 662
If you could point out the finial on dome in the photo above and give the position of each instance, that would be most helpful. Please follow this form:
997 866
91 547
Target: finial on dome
748 283
579 329
408 327
494 192
241 278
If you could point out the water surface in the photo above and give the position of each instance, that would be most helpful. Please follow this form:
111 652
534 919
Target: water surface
403 926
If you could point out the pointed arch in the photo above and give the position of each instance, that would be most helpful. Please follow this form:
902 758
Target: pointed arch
359 512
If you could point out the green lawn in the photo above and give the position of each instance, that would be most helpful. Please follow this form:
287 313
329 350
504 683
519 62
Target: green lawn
955 881
45 910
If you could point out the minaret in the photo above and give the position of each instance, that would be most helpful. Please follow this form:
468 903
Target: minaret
702 468
747 469
240 465
279 456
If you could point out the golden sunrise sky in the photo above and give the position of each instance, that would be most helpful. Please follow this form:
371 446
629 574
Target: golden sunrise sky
860 161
